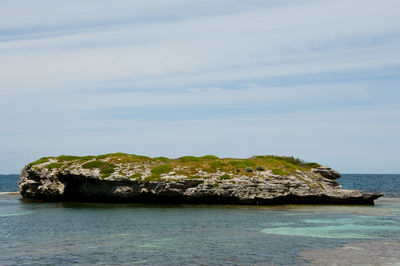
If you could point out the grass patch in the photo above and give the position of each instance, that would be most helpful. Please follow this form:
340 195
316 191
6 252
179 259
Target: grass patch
86 158
41 160
217 164
186 159
95 164
209 157
54 165
65 158
105 175
161 169
153 177
189 166
290 160
106 168
279 172
225 177
162 159
313 165
117 154
124 158
136 176
250 163
216 184
195 177
139 157
237 164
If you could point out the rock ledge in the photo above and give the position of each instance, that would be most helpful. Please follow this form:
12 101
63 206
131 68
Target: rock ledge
151 180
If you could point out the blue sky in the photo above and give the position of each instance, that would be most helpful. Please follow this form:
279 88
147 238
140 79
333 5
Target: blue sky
312 79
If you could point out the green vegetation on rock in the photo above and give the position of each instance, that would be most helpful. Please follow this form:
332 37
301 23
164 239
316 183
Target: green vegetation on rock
138 167
106 168
312 165
249 169
263 179
217 165
94 164
260 168
153 177
189 159
163 159
225 177
209 157
40 161
197 159
237 163
64 158
161 169
54 165
136 176
279 172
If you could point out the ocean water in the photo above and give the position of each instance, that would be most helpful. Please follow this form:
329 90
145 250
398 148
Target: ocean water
124 234
8 183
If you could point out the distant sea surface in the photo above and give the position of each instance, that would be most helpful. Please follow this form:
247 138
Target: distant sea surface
62 233
9 183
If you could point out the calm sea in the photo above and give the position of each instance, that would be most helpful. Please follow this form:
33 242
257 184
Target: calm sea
78 233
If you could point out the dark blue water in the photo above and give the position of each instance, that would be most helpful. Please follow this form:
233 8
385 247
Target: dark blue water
8 183
76 233
388 184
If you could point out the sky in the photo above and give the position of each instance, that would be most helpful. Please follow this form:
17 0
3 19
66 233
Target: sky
313 79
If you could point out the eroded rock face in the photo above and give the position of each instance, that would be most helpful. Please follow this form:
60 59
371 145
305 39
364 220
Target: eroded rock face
326 172
313 187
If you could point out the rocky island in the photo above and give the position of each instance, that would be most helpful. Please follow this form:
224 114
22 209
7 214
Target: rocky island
120 177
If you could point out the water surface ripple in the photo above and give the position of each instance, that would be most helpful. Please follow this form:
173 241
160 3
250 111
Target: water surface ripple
87 233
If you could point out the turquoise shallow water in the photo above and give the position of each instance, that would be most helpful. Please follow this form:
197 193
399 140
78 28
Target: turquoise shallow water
82 233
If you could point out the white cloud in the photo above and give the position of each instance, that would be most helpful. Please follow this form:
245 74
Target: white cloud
288 40
68 69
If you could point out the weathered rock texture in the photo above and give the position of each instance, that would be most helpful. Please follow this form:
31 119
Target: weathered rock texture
326 172
73 182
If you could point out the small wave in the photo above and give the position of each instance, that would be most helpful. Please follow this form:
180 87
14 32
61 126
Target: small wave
15 213
389 199
9 193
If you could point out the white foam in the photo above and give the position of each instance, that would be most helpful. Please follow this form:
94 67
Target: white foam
15 214
10 193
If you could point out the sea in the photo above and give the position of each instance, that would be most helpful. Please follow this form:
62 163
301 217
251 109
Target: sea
72 233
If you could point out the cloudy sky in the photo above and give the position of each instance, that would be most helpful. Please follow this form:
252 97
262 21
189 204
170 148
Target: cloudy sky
315 79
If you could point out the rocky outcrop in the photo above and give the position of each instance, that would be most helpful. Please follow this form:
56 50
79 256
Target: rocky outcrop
326 172
316 186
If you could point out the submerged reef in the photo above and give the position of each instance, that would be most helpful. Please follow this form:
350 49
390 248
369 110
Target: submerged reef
120 177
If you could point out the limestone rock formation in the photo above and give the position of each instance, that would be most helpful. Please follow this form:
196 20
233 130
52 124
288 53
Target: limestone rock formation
208 179
326 172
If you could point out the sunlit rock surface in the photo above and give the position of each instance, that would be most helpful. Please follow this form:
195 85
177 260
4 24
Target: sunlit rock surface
131 178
